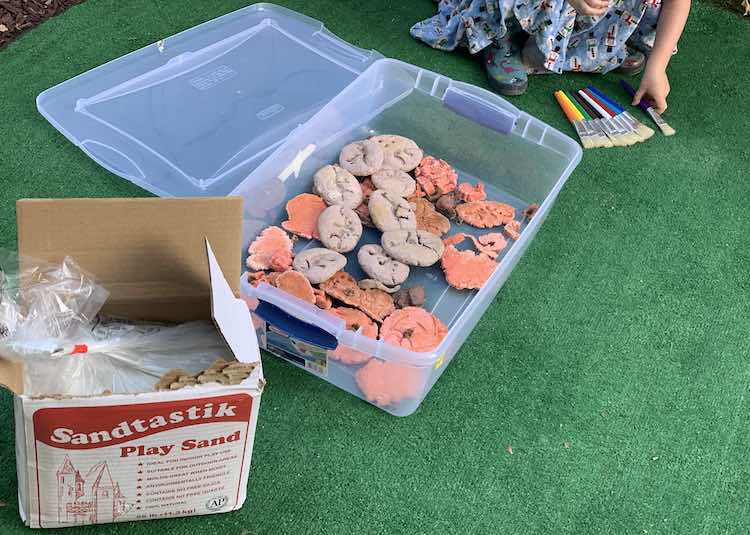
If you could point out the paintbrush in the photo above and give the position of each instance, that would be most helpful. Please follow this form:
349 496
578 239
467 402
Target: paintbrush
629 134
651 112
613 132
641 129
598 136
576 119
625 137
596 122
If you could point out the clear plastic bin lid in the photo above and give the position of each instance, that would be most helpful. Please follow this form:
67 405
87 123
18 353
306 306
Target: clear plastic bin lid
194 114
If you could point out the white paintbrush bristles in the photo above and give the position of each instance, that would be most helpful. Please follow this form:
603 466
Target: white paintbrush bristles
661 123
583 135
666 129
624 129
644 131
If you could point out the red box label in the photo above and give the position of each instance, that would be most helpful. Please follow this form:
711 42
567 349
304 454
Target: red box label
109 463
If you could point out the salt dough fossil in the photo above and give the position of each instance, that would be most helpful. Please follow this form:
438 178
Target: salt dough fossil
513 230
469 193
435 176
399 152
386 383
388 211
413 328
319 264
336 185
303 212
362 158
394 180
296 284
340 228
485 214
429 219
408 297
413 247
354 320
271 250
377 264
466 269
372 284
375 303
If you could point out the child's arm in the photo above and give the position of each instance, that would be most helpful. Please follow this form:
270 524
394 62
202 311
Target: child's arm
655 83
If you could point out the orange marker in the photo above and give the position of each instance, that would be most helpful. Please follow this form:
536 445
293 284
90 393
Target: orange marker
575 118
570 111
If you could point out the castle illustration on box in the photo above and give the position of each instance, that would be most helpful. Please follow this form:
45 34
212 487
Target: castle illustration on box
95 498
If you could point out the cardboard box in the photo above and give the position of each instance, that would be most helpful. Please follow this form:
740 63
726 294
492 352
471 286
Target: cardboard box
116 458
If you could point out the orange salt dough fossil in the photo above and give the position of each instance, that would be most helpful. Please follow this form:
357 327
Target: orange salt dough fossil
343 287
354 319
271 250
485 214
469 193
255 278
375 303
413 328
513 229
304 211
418 193
385 383
455 239
435 176
322 300
292 283
466 270
494 241
296 284
489 244
429 219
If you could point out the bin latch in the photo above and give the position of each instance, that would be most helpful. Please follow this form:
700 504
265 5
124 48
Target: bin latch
480 111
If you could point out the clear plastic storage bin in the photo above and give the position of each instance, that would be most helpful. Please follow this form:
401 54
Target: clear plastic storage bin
524 161
316 102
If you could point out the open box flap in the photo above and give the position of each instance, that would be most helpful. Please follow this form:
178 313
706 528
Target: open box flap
149 253
231 314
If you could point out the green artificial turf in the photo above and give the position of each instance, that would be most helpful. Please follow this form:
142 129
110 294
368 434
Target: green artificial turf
615 361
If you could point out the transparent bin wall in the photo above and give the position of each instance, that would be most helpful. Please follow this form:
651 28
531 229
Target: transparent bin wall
422 375
529 165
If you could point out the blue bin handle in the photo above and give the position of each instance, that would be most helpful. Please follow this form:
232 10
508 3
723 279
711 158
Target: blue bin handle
482 107
299 329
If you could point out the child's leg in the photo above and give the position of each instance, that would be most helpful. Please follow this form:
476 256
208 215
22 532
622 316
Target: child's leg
644 35
505 70
642 40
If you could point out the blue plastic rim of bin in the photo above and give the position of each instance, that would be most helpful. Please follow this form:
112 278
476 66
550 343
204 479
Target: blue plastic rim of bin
195 113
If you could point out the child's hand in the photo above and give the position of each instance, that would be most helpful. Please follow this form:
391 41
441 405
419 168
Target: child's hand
592 8
655 86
